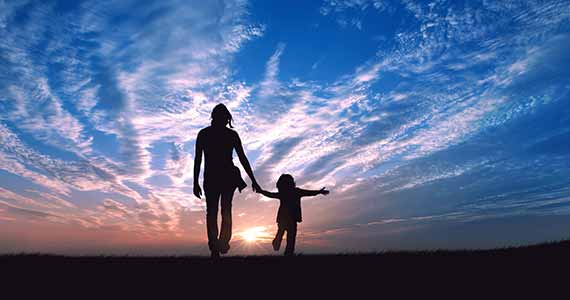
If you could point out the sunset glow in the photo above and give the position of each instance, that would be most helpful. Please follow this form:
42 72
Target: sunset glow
255 234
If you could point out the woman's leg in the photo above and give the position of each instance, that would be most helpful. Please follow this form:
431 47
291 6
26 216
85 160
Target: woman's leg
291 236
278 237
226 231
212 199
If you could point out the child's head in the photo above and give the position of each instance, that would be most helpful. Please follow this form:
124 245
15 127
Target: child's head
285 183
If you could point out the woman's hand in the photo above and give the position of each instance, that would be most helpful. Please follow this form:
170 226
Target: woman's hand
197 190
324 191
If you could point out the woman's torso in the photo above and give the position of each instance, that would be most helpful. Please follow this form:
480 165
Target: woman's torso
218 145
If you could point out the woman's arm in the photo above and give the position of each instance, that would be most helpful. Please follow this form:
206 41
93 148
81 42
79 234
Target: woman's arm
197 164
309 193
245 163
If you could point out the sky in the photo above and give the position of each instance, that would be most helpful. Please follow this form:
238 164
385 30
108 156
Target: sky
434 124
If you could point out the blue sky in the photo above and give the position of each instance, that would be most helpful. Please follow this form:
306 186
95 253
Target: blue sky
435 124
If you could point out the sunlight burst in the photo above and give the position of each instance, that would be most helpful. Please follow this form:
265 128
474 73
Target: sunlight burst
254 234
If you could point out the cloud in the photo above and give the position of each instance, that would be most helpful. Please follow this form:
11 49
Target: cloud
63 174
115 208
270 85
342 10
26 213
338 6
541 65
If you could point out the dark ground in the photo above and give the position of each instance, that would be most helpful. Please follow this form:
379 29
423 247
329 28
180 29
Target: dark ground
533 271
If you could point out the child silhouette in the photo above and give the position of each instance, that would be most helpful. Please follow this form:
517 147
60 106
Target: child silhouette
289 212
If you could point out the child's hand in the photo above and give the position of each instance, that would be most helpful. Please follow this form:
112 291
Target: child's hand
324 191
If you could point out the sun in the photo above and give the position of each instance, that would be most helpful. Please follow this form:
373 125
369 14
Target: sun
254 234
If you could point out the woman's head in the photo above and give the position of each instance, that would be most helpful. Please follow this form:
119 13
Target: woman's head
285 183
221 115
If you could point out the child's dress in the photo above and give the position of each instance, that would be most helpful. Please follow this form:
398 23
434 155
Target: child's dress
289 207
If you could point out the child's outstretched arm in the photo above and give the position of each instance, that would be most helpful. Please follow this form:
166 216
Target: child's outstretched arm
306 193
268 194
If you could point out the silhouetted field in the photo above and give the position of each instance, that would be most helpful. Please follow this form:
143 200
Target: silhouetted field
410 273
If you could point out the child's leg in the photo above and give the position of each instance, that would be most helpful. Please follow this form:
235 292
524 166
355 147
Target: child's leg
291 236
278 237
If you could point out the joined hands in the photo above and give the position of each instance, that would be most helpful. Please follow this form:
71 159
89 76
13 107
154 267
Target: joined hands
255 187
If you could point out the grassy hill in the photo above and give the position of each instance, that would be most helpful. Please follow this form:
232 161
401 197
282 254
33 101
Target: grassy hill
410 273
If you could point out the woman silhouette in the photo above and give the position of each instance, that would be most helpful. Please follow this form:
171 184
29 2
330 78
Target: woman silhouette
221 176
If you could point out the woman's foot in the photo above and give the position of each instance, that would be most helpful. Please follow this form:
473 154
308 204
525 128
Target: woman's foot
276 245
224 248
215 255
